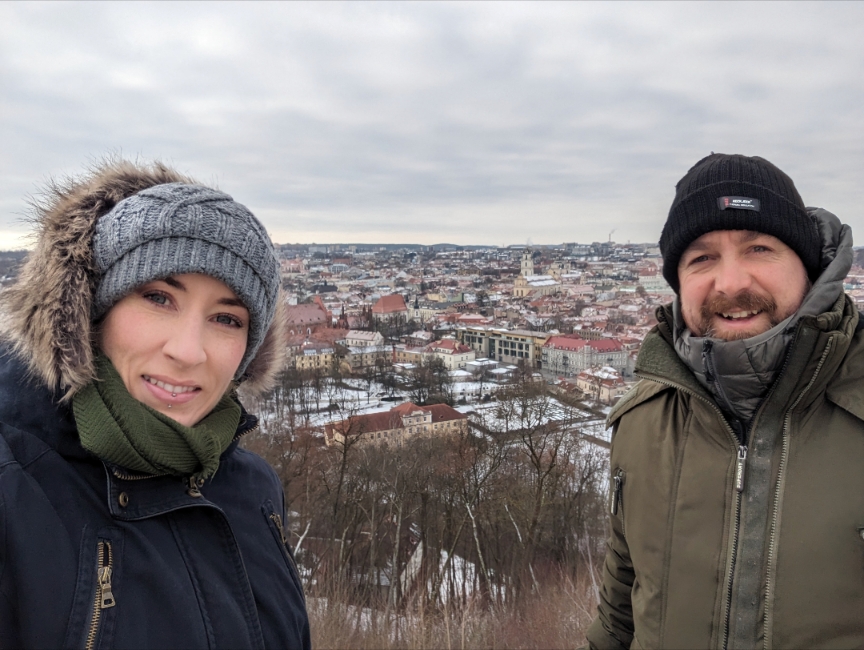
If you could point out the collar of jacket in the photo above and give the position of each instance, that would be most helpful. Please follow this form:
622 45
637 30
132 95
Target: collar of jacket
135 499
133 496
819 343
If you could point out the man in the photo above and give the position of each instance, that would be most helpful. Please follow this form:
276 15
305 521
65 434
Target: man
737 500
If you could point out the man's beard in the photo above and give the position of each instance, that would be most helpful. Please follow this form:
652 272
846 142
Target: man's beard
710 314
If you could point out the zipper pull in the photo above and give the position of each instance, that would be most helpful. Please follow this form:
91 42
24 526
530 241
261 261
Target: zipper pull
616 492
107 598
194 487
740 470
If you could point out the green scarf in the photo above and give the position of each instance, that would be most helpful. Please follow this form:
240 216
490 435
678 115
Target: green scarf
119 429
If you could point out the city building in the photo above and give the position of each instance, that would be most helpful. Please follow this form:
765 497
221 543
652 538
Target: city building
397 425
307 317
362 339
390 307
528 284
568 355
603 385
454 354
507 346
314 356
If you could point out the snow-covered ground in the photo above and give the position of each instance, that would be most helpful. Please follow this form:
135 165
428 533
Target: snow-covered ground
557 412
357 400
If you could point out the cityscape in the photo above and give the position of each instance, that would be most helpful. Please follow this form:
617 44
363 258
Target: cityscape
378 317
574 314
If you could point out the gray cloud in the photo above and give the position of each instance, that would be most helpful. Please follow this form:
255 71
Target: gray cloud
469 123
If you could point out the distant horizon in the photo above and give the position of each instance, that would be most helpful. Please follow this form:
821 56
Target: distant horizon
417 245
451 245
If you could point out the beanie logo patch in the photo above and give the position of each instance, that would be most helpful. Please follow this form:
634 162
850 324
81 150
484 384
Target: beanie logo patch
738 202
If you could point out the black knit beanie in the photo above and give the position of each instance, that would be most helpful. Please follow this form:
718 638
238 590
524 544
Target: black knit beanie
733 192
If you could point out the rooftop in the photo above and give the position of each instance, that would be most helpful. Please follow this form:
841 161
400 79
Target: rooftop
390 304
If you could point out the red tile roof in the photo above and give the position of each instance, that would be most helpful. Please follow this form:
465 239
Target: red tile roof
391 419
575 344
317 300
448 346
306 314
565 343
606 345
390 304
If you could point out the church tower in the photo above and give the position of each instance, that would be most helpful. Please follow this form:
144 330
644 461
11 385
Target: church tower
527 264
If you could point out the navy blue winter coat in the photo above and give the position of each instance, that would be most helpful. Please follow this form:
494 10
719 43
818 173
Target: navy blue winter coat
88 559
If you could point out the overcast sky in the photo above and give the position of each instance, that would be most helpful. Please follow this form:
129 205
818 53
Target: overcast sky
423 123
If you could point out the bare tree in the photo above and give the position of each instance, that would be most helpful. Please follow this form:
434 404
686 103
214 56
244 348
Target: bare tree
542 431
429 382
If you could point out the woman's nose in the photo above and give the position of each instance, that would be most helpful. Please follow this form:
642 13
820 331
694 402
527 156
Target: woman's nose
185 342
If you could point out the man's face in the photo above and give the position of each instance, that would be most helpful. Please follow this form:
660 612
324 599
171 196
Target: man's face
737 283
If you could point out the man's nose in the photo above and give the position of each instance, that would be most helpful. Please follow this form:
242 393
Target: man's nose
732 277
185 342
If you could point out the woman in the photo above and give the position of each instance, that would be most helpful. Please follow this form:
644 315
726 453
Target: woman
129 517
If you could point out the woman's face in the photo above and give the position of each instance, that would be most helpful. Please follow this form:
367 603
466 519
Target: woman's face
177 343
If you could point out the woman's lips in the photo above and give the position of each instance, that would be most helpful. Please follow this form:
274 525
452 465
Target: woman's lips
170 393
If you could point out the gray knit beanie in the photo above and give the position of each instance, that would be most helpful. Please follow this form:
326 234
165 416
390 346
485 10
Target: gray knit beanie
178 228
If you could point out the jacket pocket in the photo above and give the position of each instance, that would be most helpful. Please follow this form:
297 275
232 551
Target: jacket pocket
94 610
274 521
616 499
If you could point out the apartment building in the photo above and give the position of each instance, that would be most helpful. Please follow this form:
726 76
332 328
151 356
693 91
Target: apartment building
569 355
315 356
362 339
506 346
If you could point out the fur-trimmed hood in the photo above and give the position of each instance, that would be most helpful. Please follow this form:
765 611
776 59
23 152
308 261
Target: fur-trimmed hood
46 313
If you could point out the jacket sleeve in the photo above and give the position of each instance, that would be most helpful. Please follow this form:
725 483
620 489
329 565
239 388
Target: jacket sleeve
613 627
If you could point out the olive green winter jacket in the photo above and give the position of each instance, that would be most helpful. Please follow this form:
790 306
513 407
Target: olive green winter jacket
716 545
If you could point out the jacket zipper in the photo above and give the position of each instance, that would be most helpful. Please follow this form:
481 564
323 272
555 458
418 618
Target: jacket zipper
125 475
104 598
741 466
616 492
246 432
740 470
277 519
618 497
707 348
775 513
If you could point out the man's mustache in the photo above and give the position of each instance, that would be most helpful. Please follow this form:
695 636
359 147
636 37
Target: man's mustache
746 301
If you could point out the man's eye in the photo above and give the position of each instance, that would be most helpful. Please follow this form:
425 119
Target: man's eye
697 260
228 319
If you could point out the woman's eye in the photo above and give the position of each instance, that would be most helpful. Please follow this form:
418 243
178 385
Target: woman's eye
158 298
228 319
